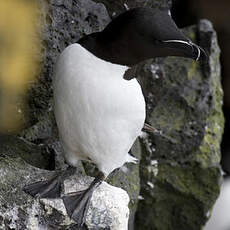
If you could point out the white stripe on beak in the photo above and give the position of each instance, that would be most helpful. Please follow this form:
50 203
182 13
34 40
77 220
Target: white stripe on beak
187 43
198 50
179 41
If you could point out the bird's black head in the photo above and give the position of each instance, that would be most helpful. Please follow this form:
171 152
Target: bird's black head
140 34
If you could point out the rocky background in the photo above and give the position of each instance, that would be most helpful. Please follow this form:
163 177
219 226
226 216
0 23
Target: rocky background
176 182
187 12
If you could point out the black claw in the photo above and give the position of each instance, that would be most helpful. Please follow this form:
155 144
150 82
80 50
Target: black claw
44 189
149 129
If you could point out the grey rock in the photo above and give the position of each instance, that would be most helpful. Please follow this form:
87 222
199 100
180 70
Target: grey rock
109 204
108 208
62 23
37 155
180 169
116 7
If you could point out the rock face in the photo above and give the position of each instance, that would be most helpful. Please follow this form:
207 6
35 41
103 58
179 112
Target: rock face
180 170
108 209
63 23
176 182
116 7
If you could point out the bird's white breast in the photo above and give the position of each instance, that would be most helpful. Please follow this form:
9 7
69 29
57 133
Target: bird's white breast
99 114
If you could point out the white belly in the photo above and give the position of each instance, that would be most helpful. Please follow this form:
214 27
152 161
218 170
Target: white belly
98 113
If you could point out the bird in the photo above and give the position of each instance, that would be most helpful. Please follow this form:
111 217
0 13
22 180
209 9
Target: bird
99 113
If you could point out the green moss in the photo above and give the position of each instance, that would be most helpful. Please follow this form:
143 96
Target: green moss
209 151
191 181
181 196
192 72
188 192
170 115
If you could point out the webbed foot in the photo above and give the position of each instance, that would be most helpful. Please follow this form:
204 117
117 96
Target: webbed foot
49 188
77 204
150 129
44 189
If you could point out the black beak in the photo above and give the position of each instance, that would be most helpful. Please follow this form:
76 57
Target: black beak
187 49
199 53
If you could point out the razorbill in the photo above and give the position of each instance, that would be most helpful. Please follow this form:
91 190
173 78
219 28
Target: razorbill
99 113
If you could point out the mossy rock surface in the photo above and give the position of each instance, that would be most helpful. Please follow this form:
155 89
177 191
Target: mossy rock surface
179 170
